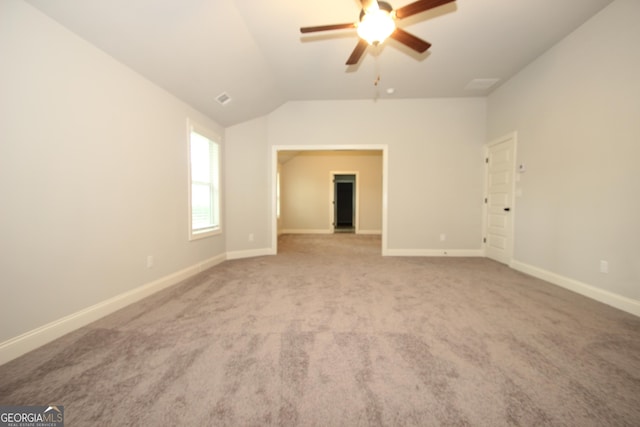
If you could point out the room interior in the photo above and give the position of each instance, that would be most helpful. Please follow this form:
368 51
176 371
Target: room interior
308 200
93 140
328 332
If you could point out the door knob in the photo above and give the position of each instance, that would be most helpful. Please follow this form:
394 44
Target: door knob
507 209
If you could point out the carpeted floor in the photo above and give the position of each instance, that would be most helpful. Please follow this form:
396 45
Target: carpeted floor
329 333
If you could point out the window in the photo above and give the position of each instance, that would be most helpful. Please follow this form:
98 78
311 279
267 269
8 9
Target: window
204 189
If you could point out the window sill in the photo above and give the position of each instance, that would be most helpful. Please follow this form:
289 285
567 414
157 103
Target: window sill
202 234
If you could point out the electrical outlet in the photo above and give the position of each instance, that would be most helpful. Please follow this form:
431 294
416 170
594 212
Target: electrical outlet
443 237
604 266
251 237
149 261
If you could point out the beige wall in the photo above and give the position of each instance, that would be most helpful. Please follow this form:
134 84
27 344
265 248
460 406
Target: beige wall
93 175
307 192
435 165
246 202
577 113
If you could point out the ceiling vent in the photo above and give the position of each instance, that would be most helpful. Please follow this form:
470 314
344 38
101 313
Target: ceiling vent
223 98
481 84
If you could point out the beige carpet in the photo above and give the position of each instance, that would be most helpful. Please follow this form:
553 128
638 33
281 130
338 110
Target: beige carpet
329 333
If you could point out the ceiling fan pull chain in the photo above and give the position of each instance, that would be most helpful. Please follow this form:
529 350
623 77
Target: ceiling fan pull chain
376 52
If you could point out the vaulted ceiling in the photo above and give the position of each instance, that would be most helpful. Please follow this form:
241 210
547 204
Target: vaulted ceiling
252 50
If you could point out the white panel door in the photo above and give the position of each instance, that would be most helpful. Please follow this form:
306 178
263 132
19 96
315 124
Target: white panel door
499 199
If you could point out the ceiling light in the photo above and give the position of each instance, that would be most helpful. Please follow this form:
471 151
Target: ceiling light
376 25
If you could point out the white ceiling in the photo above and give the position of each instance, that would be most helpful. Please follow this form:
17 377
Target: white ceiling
253 50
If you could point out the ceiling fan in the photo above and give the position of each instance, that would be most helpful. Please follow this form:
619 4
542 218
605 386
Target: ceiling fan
377 22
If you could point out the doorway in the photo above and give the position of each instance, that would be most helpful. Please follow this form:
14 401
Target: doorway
499 203
344 203
291 149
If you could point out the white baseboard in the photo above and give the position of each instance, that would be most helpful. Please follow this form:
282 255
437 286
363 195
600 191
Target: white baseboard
250 253
322 231
42 335
620 302
307 231
435 252
211 262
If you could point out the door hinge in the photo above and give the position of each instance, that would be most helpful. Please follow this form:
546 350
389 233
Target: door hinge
484 240
486 160
485 200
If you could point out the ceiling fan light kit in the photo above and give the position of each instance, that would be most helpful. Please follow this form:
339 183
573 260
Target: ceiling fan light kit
378 22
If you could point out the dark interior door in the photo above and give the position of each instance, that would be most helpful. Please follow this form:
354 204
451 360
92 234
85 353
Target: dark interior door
344 204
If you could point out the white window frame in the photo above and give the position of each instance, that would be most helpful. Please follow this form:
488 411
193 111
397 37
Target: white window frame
194 234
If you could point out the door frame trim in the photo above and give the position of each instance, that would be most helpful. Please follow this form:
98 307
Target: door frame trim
332 197
384 148
511 135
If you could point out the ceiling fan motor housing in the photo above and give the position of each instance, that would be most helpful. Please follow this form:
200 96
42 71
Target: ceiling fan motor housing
381 5
378 23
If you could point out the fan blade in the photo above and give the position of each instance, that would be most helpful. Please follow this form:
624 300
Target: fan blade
327 28
410 40
419 6
369 5
357 52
